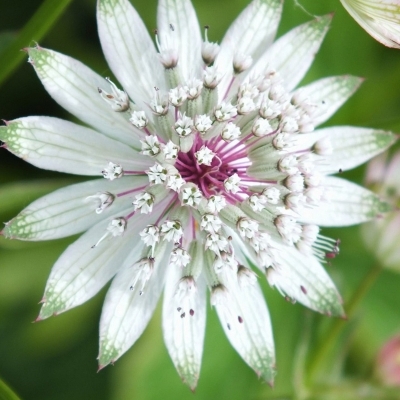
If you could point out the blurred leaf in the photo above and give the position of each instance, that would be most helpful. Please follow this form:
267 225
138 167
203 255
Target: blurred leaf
40 23
6 38
6 393
15 196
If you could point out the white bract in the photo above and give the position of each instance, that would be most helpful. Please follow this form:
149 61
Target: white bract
208 174
380 18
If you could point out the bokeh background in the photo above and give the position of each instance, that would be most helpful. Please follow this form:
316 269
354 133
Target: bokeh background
56 359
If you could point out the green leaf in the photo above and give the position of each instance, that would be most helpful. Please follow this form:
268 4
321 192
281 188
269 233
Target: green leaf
6 393
40 23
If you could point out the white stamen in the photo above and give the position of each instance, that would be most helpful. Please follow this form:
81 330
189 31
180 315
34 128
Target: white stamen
183 126
103 199
225 112
139 119
230 132
144 202
157 174
231 184
179 257
171 231
117 99
204 156
150 145
112 171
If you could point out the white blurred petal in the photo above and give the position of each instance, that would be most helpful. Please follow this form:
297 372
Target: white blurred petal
58 145
292 54
344 204
178 25
75 87
129 50
68 211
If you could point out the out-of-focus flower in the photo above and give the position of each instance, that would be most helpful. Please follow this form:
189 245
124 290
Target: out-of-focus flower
211 167
388 362
380 18
383 234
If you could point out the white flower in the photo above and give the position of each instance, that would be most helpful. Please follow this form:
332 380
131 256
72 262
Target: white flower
382 235
191 208
380 18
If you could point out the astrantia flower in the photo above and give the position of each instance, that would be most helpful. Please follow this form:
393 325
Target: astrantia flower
380 18
209 165
382 236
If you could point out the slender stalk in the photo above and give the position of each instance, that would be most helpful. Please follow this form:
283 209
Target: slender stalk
6 393
40 23
326 345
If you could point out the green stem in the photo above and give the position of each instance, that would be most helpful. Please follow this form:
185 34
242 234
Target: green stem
40 23
6 393
328 341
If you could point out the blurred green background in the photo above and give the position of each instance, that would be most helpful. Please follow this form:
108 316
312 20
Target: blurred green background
56 358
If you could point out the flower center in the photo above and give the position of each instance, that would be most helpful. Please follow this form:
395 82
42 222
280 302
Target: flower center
211 166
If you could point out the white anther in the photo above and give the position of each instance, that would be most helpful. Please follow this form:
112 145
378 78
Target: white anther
170 150
190 196
241 62
272 195
247 227
212 77
115 228
289 125
289 165
216 243
179 257
230 132
112 171
270 109
175 182
142 270
171 231
202 123
184 126
193 88
139 119
150 145
144 202
288 228
261 127
117 99
157 174
103 199
225 112
215 204
177 96
245 105
204 156
231 184
150 235
210 223
257 202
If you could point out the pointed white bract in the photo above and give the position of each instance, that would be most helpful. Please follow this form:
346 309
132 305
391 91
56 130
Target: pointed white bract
380 18
211 166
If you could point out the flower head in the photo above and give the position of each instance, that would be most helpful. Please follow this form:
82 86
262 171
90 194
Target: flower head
380 18
382 235
207 176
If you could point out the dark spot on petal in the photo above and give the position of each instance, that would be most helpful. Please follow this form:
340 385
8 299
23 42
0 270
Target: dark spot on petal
183 315
340 170
191 312
229 327
179 309
303 289
240 319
